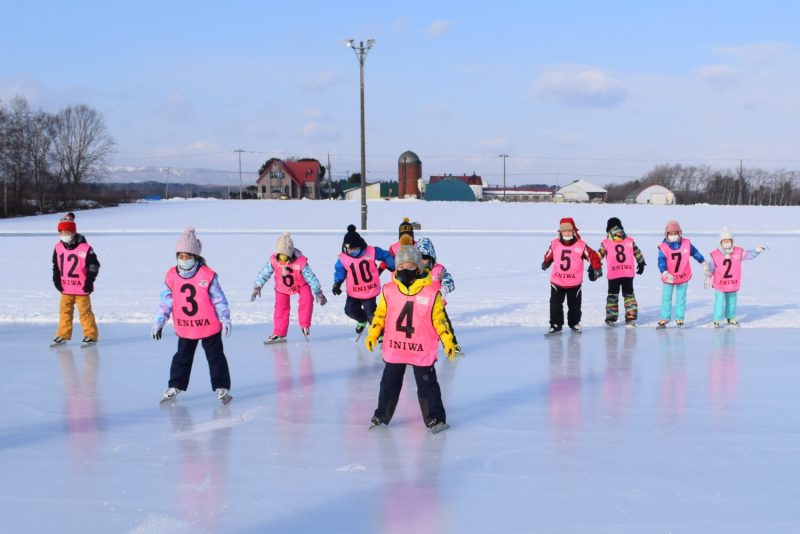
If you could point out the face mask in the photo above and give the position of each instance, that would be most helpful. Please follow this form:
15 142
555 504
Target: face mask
406 276
354 252
186 265
66 238
567 238
727 247
673 238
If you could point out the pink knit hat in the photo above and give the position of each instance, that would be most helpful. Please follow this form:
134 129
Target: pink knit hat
189 243
672 226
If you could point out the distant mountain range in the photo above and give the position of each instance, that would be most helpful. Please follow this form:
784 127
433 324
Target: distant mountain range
178 175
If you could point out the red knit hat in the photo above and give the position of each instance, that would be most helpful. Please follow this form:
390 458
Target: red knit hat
67 224
562 224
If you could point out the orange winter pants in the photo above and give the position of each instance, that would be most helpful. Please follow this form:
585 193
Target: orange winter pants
85 314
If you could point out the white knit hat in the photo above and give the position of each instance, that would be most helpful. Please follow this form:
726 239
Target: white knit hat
725 234
188 242
285 245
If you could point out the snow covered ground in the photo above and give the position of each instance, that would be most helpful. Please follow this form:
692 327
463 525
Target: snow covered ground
614 430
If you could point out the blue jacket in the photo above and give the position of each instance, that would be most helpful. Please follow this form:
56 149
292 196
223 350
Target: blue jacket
339 273
214 291
662 260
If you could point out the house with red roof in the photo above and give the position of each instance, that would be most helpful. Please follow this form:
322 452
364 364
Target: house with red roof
290 179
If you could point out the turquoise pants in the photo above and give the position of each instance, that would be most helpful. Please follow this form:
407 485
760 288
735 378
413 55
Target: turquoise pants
724 305
680 301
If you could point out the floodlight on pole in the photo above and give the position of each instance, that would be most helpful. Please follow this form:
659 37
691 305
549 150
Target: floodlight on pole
361 50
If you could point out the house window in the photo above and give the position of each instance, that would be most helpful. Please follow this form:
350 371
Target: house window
276 175
276 189
309 189
263 189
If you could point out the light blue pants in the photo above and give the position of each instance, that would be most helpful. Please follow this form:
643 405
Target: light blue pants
680 301
724 305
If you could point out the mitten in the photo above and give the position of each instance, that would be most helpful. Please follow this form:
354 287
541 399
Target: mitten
370 342
667 277
544 265
760 248
594 274
321 300
226 328
337 288
156 331
640 268
88 287
706 269
449 349
707 282
256 293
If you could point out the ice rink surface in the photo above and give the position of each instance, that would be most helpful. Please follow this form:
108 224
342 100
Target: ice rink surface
614 430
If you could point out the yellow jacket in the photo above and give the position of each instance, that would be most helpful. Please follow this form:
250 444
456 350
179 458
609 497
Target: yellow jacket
439 319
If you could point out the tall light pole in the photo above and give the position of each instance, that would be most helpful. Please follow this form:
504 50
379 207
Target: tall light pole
239 150
504 156
361 52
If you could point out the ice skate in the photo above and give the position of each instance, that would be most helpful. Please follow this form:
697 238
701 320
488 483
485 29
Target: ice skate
375 421
576 328
679 323
436 426
306 332
58 341
611 322
662 324
274 340
715 324
359 329
733 322
88 342
554 330
170 394
224 395
630 323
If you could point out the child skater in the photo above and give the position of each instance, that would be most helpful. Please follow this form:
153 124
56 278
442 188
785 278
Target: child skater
191 290
725 275
622 258
75 268
673 262
296 278
358 265
411 316
405 228
568 251
441 279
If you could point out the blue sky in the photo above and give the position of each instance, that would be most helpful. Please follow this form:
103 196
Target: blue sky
598 90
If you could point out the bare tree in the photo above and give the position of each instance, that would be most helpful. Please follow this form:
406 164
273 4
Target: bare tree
38 154
81 143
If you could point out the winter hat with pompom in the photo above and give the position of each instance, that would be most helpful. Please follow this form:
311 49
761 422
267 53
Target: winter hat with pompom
67 224
725 234
613 222
353 239
408 253
405 228
285 245
189 243
672 226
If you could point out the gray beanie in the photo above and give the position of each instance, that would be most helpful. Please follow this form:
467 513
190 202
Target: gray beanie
285 245
408 253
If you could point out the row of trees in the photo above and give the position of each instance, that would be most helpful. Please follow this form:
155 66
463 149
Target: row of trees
704 184
46 158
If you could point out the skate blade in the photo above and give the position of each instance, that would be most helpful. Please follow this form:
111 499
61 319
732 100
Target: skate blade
553 334
87 345
439 428
54 345
226 399
276 342
165 401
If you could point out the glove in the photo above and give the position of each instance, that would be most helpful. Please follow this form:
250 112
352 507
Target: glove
594 274
57 283
544 266
707 282
667 277
156 331
321 300
256 293
640 268
760 248
449 349
226 328
88 287
337 288
706 269
370 342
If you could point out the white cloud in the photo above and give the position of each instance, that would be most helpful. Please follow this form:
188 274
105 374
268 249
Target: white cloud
437 28
579 87
323 82
720 76
754 53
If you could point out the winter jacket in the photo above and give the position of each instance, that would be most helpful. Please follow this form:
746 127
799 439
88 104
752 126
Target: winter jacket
440 322
339 273
662 260
588 255
267 271
618 234
746 255
426 248
92 264
214 291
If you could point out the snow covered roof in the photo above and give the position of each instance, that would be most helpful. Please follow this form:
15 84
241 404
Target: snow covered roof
583 185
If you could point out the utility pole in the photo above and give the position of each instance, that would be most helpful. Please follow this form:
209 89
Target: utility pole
504 156
166 189
241 184
361 52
